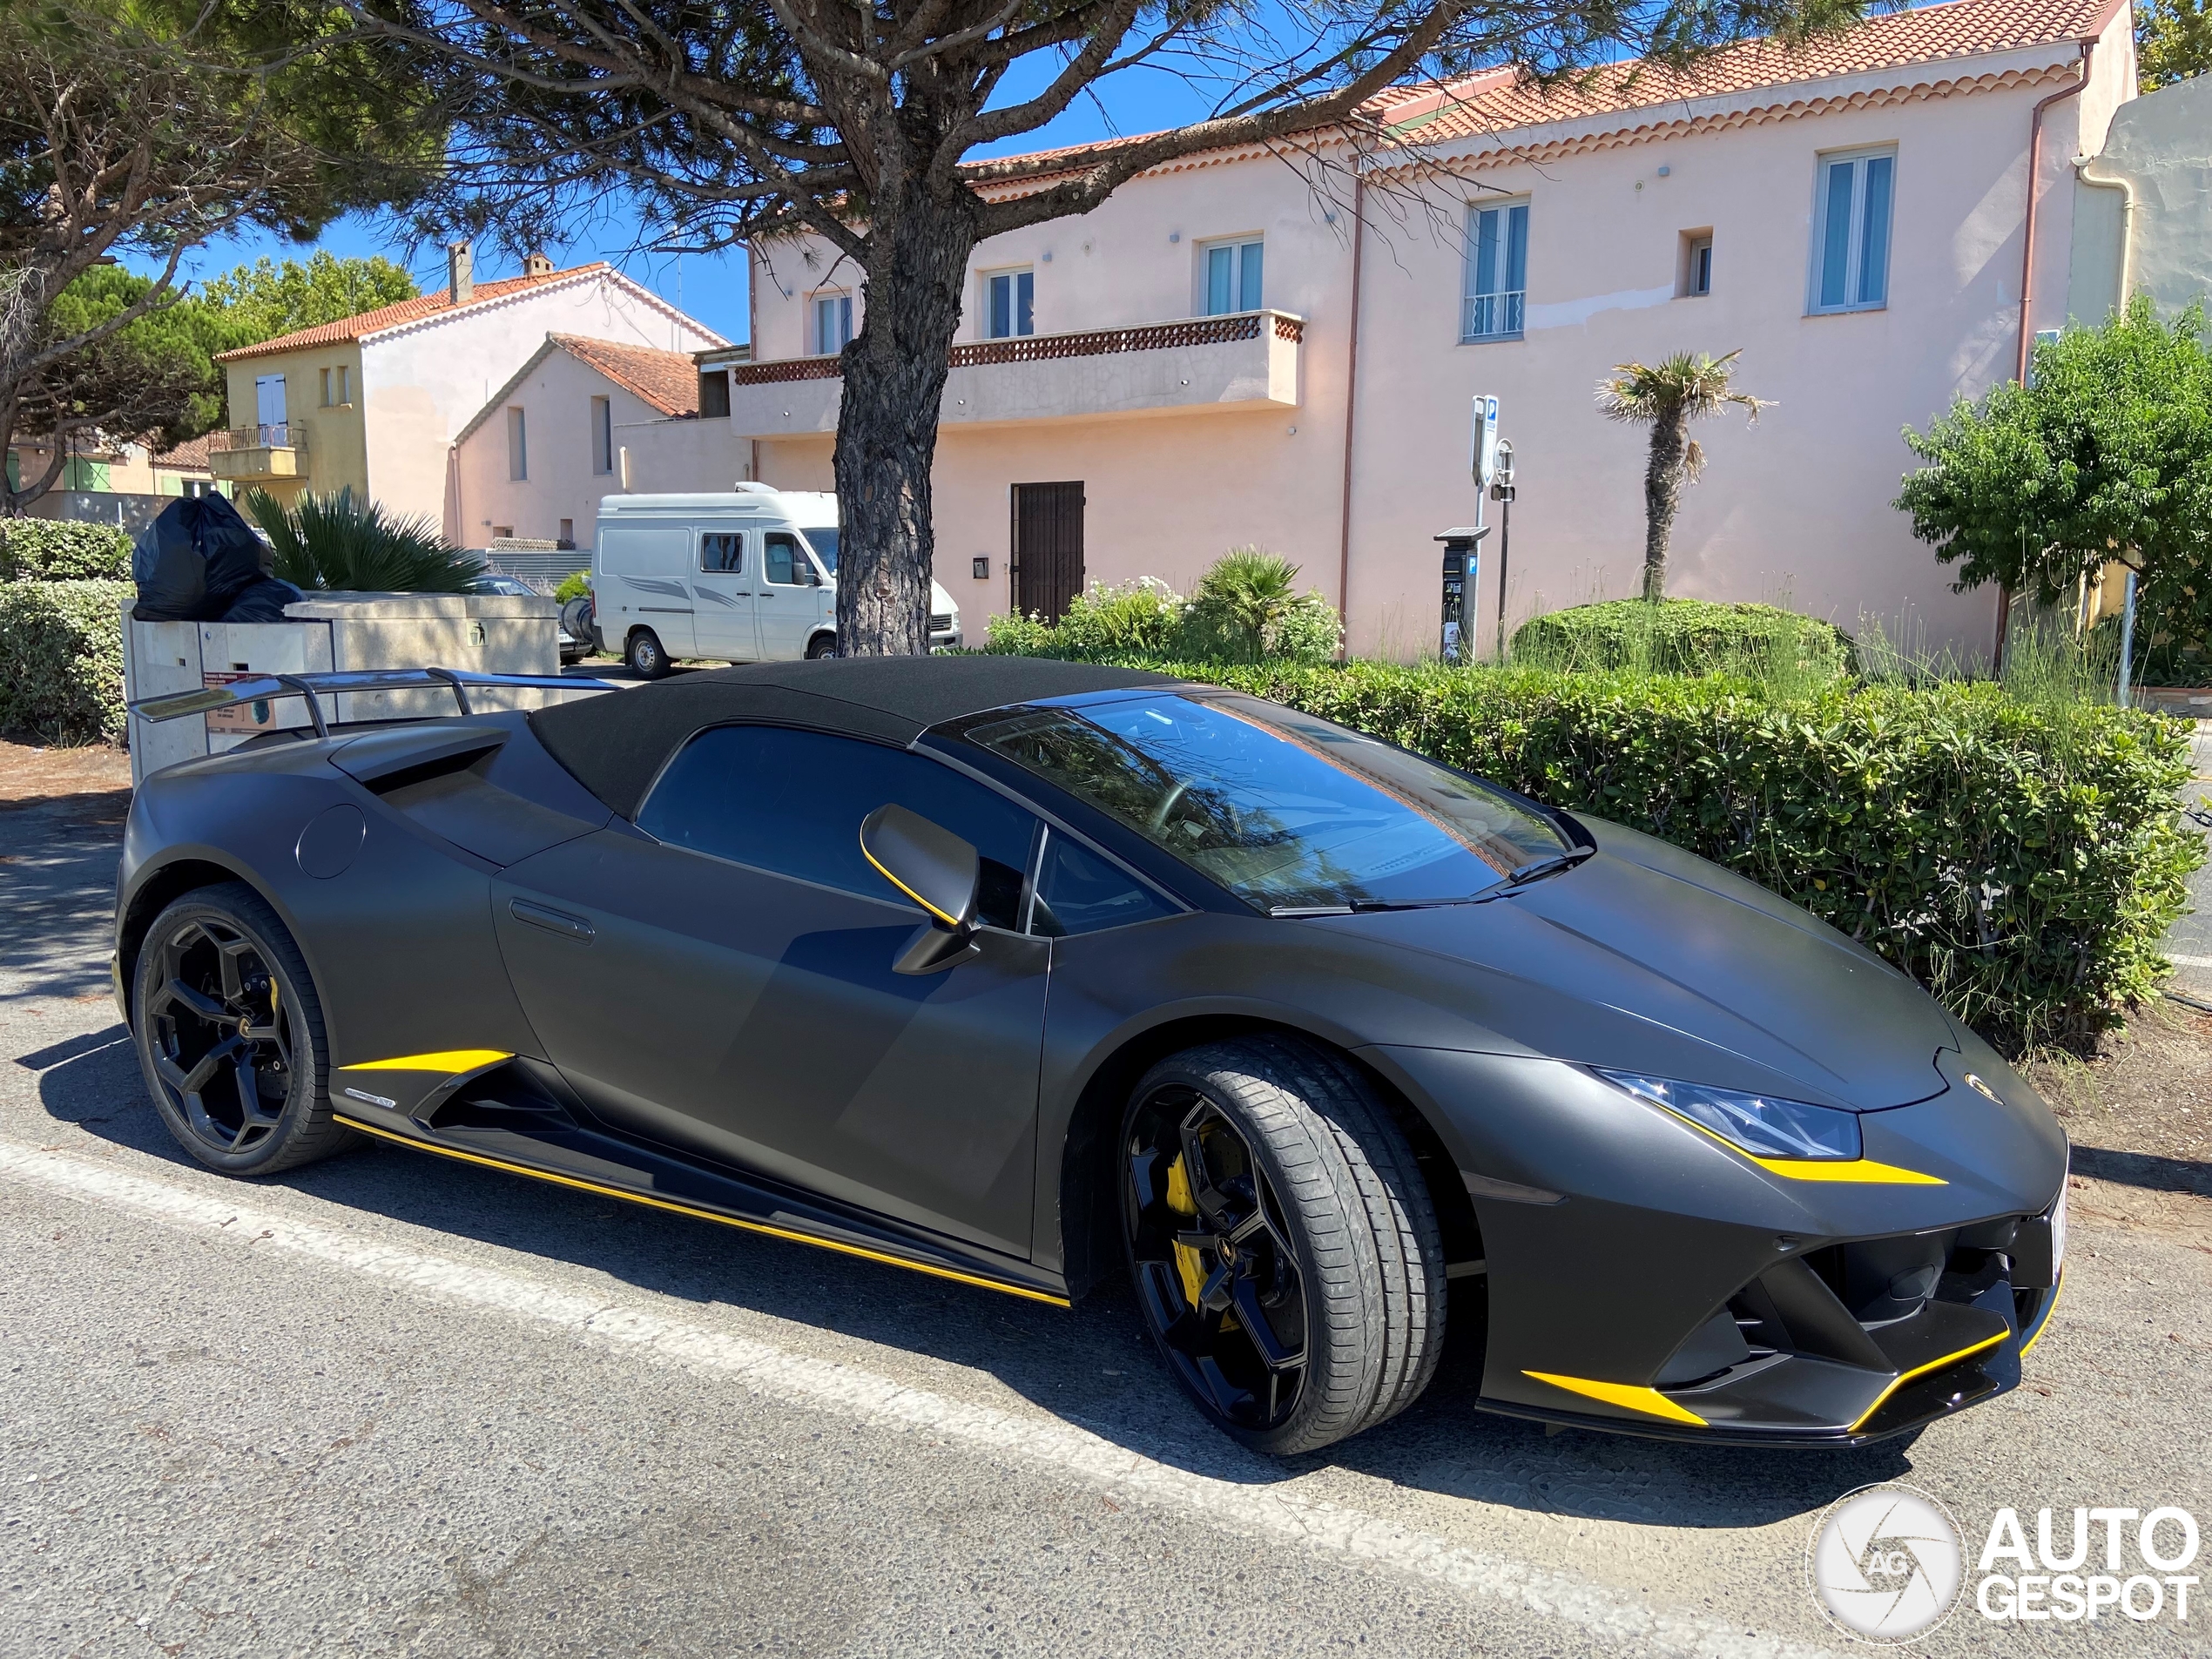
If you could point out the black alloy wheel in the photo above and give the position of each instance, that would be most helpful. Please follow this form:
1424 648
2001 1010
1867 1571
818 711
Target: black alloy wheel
1283 1246
1218 1278
229 1033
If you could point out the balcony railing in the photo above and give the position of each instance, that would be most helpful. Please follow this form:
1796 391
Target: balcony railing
1493 316
1031 348
279 434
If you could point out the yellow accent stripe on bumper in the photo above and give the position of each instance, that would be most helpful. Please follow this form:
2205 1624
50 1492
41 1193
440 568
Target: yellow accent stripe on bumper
1983 1346
451 1063
1650 1401
1848 1170
2044 1324
706 1215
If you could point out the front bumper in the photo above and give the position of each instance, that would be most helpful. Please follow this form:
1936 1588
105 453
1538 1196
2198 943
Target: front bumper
1644 1279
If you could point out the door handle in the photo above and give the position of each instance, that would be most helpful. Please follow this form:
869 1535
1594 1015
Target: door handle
554 921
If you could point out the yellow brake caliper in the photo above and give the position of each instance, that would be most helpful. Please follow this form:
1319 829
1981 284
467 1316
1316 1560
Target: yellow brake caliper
1190 1267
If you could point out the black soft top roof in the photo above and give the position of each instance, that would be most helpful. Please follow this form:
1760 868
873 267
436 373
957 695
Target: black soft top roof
616 742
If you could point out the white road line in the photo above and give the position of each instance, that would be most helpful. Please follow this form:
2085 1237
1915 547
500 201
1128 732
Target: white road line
1283 1516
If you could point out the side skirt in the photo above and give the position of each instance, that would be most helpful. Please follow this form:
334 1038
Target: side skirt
588 1162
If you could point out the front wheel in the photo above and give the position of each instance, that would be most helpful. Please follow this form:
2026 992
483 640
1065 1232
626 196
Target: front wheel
229 1033
821 645
1284 1249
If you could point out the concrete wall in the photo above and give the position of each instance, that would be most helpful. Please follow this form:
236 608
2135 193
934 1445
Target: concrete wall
665 456
2160 148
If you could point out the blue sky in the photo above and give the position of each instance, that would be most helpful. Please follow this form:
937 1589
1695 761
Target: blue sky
713 288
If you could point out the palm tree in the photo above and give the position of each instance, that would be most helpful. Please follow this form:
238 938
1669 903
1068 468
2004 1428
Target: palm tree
340 542
1666 397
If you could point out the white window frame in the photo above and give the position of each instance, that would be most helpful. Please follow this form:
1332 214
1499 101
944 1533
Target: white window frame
1242 278
1855 231
1505 315
1702 243
1011 275
841 298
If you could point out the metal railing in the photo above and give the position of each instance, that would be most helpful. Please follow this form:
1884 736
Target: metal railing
1027 348
277 435
1493 316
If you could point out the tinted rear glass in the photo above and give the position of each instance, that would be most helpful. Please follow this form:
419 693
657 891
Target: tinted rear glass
1281 808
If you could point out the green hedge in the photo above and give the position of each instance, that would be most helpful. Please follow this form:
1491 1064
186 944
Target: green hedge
61 659
2020 861
1685 636
52 549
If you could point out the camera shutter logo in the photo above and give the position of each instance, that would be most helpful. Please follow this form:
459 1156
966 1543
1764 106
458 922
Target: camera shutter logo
1887 1563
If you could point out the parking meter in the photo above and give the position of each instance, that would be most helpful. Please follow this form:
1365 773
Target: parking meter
1461 562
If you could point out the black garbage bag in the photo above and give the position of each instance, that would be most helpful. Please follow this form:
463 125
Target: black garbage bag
263 602
194 561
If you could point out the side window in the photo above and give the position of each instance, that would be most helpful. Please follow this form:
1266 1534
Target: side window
781 559
1080 893
792 802
722 550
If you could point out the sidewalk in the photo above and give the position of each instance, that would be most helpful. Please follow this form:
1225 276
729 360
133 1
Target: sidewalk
2189 945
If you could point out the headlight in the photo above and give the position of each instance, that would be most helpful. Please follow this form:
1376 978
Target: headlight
1765 1127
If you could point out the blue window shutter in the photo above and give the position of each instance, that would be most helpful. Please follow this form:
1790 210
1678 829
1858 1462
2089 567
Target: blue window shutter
1220 270
1025 303
1835 237
1248 276
1002 321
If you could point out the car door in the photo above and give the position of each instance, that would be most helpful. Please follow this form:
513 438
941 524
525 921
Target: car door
724 587
788 603
723 983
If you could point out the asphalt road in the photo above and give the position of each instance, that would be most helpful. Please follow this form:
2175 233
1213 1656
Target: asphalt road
392 1405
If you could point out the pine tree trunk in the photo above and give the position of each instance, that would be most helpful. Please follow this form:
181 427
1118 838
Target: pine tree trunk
886 426
1661 495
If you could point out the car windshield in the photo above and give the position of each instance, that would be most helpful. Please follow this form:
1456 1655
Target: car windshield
1286 811
824 541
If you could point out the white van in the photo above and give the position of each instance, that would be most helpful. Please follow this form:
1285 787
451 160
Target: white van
746 577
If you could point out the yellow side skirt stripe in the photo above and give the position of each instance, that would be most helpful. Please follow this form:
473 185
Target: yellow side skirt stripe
1921 1371
707 1215
1650 1401
452 1062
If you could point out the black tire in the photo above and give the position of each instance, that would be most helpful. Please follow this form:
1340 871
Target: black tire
645 656
821 645
222 995
1305 1177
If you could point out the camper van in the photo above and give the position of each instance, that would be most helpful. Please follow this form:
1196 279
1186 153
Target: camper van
746 577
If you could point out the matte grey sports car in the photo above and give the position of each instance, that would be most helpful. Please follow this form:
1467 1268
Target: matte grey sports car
1026 973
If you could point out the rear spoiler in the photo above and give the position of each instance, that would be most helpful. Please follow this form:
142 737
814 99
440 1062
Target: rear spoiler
177 704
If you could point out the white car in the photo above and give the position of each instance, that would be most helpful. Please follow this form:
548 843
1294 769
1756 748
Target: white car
744 577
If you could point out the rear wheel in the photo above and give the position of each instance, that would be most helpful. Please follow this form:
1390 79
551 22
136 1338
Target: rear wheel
229 1033
1284 1249
643 654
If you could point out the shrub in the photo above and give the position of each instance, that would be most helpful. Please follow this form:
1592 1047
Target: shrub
61 659
54 550
1246 609
2021 860
573 586
1686 636
339 542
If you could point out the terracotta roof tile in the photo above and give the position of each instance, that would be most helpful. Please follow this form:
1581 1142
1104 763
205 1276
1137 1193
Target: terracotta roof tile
418 309
667 379
1894 40
188 456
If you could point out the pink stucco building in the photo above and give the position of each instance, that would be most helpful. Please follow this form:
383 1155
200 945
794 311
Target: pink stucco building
1221 355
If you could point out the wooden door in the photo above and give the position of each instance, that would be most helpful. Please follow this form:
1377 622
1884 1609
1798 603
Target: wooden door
1048 562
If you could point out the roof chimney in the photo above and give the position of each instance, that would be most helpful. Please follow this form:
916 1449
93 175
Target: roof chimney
536 264
460 282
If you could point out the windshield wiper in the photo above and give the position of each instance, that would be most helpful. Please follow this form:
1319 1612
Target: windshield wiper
1537 869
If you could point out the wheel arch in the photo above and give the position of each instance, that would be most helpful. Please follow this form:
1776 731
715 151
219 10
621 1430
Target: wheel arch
1088 1193
157 889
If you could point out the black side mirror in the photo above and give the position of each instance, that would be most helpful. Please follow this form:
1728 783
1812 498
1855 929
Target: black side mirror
937 871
